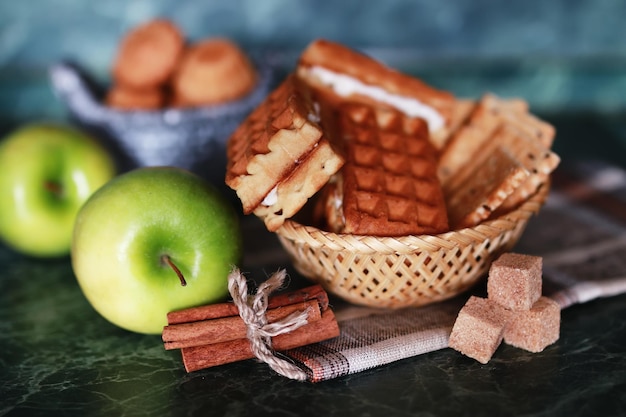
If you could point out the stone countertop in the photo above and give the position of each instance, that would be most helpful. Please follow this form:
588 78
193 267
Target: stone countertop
59 357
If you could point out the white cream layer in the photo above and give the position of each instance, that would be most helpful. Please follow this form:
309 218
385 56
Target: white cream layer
344 85
271 198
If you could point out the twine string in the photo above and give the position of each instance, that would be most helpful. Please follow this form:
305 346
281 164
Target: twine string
259 332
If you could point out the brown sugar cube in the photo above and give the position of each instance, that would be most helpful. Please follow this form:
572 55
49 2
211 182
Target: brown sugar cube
535 329
479 328
515 281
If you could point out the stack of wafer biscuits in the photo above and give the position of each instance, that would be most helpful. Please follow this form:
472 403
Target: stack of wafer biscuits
495 131
383 153
280 155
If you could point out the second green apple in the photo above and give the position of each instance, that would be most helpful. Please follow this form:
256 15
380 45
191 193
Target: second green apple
47 172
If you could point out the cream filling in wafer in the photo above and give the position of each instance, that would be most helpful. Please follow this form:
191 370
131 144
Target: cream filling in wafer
271 198
344 86
314 116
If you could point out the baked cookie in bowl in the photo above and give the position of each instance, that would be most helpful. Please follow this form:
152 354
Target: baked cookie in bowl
169 102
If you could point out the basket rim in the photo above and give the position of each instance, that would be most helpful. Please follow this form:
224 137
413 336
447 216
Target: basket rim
299 233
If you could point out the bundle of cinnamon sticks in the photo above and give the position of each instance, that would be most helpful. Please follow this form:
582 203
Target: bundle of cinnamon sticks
215 334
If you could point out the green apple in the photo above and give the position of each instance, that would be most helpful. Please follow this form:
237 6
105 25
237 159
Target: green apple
154 240
47 172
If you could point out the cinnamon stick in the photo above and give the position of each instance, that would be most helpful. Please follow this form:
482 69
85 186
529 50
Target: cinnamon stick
213 311
198 333
201 357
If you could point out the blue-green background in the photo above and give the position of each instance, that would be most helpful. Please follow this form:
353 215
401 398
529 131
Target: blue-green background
566 57
561 33
35 32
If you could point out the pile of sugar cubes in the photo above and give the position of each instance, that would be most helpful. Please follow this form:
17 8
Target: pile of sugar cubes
514 311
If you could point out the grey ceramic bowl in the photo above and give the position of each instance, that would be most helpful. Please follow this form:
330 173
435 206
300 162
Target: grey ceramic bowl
193 138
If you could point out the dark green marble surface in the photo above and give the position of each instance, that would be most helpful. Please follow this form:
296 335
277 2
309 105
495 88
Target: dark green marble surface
59 357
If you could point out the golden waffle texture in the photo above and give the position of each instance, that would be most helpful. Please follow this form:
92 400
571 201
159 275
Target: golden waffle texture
272 143
389 182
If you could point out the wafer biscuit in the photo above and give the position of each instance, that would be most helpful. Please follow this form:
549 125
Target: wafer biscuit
513 104
461 111
347 74
328 211
388 186
544 163
308 177
539 161
483 188
516 113
487 116
469 138
273 141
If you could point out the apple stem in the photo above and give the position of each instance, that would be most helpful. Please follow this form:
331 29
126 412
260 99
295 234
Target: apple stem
54 187
167 260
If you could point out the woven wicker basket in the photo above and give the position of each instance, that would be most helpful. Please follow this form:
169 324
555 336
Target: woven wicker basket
404 271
